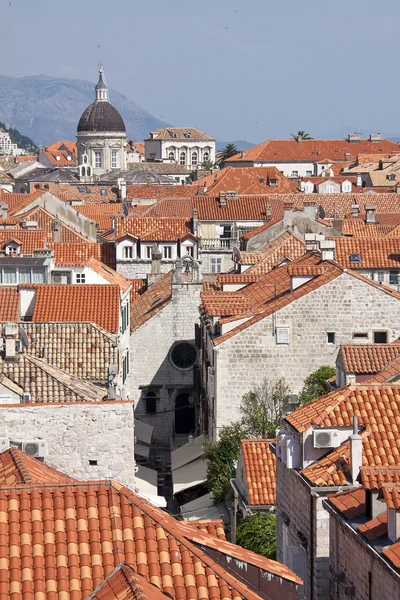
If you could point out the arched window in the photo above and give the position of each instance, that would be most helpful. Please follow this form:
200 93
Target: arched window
83 171
88 170
194 158
171 155
206 156
151 403
182 158
85 158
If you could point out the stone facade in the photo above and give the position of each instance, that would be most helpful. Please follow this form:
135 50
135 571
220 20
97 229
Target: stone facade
370 575
343 306
307 529
152 369
102 433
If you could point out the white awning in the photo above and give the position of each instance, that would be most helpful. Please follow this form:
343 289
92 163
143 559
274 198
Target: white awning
143 432
187 453
201 508
189 475
146 486
142 450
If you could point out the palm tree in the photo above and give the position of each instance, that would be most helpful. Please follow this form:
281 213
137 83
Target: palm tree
207 165
303 134
227 152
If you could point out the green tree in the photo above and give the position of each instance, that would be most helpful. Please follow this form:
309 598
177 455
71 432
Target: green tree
207 165
258 533
316 385
227 152
264 408
222 456
303 134
22 141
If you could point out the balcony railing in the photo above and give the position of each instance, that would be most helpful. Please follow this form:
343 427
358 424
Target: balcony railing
217 243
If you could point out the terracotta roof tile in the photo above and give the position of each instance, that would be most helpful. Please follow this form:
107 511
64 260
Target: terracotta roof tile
390 492
86 530
158 192
108 274
389 373
211 526
17 202
103 214
29 240
246 181
368 358
375 253
59 158
260 470
77 255
151 229
9 304
99 304
350 503
180 133
393 554
170 207
123 583
375 528
83 193
17 467
154 299
373 478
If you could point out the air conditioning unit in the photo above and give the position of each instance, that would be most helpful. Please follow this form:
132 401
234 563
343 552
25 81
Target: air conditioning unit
57 278
35 448
326 438
4 443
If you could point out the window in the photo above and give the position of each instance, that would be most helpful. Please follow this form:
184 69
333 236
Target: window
128 251
125 367
103 192
80 278
13 249
380 337
346 186
37 276
171 155
125 317
167 252
97 159
188 250
151 403
182 158
194 158
85 158
113 159
380 276
216 265
148 252
329 189
308 173
9 275
83 171
394 277
330 337
88 171
360 335
25 276
183 355
206 156
294 174
283 335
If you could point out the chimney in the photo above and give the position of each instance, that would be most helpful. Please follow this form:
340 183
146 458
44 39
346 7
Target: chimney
10 332
156 257
355 210
347 156
268 211
205 188
355 451
327 249
370 214
299 139
195 218
397 189
56 230
359 180
375 137
222 199
243 154
354 138
121 185
393 513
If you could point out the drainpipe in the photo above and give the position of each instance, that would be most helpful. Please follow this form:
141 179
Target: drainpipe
235 507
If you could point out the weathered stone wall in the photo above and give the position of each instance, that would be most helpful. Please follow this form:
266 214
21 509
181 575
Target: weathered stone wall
138 269
205 260
362 569
343 306
150 363
76 433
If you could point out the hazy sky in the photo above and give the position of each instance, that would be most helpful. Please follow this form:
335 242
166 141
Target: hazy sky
250 69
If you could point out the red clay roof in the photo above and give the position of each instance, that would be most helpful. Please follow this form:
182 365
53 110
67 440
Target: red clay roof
140 191
59 158
212 526
154 299
71 537
101 213
125 584
16 202
276 151
74 255
375 253
17 467
9 304
373 478
151 229
169 207
246 181
350 503
260 467
99 304
368 358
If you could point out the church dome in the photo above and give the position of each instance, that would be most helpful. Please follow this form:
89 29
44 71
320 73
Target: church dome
101 116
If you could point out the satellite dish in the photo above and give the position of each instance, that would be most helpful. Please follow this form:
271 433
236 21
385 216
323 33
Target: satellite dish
236 254
24 337
321 212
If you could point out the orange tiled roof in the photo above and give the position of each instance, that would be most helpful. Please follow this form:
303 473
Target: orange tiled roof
29 240
139 286
315 151
140 191
286 246
306 270
17 202
212 526
103 214
391 494
375 253
244 208
357 227
86 530
125 584
68 145
368 358
373 478
260 467
375 528
9 304
59 158
389 373
350 503
74 254
246 181
84 193
17 467
152 229
154 299
108 274
236 278
99 304
170 207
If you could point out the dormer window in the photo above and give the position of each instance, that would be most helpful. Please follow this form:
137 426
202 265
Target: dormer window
13 248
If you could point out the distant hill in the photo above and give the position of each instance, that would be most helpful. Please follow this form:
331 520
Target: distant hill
240 144
47 109
21 140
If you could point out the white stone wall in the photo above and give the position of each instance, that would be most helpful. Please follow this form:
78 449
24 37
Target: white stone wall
76 433
343 306
150 363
